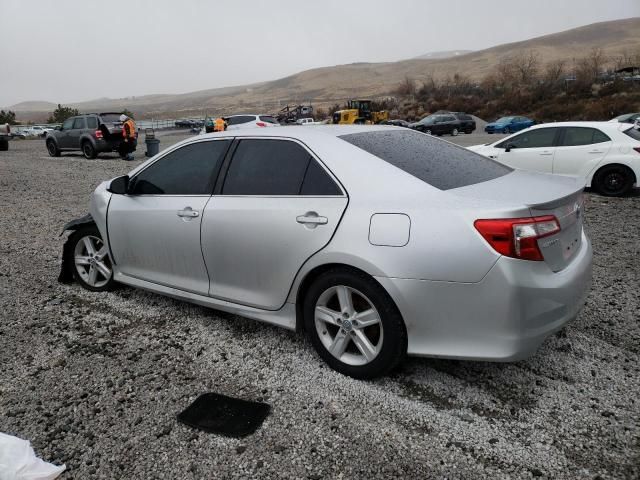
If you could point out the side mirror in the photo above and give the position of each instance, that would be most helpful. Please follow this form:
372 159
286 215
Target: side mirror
119 185
508 147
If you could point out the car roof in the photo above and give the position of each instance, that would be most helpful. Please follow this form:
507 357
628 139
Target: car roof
603 125
317 132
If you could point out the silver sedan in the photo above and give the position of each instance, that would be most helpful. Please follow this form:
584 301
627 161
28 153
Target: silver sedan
377 241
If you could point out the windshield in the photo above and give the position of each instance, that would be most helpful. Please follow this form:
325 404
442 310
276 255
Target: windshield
428 119
436 162
504 120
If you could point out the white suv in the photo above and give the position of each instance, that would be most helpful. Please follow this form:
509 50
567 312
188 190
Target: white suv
605 154
235 122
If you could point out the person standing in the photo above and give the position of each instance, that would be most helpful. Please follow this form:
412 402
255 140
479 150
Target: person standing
220 125
129 138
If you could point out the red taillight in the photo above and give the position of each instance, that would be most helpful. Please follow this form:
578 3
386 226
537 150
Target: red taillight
98 133
261 124
518 237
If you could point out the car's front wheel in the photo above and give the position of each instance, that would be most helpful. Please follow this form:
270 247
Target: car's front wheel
353 324
52 149
92 264
454 132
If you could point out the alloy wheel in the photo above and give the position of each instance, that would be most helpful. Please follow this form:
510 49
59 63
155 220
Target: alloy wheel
348 325
92 261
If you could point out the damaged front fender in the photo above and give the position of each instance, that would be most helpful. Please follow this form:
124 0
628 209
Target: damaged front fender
66 268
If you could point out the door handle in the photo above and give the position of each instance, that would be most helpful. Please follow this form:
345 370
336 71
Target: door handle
596 151
312 219
546 153
188 213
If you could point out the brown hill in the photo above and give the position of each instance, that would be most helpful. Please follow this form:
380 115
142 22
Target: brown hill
328 85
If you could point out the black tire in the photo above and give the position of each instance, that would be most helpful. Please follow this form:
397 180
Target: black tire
507 130
88 150
4 145
78 237
613 180
393 334
454 132
53 149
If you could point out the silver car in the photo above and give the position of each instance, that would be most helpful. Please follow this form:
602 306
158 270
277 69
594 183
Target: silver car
377 241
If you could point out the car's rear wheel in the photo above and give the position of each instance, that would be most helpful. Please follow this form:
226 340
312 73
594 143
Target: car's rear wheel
88 150
454 132
613 180
53 149
353 324
92 264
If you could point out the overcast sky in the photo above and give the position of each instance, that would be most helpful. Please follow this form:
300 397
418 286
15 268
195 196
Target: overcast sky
74 50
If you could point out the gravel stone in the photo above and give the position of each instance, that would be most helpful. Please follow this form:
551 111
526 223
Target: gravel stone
96 380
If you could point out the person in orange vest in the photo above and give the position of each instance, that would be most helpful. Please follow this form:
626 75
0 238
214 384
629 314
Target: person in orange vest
220 125
129 138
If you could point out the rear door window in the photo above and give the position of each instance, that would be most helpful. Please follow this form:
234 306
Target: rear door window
92 122
576 136
266 167
436 162
188 170
539 138
79 123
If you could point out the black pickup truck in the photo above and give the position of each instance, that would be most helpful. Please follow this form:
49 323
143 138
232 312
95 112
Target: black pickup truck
91 133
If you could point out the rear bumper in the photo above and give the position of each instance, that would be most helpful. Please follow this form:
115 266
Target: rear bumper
504 317
103 145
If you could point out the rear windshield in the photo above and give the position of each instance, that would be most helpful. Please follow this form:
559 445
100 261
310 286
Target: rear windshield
436 162
110 118
268 119
633 132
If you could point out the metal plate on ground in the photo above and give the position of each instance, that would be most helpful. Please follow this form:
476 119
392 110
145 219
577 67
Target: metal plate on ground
232 417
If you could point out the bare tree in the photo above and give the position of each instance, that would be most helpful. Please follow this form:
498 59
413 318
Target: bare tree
407 87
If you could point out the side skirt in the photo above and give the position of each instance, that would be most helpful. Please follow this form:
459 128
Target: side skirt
285 317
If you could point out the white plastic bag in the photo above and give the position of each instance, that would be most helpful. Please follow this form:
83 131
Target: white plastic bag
18 461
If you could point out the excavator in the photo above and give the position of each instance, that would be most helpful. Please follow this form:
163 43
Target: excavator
359 112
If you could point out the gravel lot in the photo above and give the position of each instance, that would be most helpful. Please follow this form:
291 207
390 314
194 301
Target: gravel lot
96 380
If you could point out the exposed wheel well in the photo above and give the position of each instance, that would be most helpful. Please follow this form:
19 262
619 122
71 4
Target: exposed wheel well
308 281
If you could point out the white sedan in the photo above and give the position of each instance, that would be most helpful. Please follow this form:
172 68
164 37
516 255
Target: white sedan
605 154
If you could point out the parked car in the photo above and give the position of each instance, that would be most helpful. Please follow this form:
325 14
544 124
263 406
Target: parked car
467 123
235 122
604 155
91 133
38 131
5 135
396 123
19 135
436 251
627 118
438 124
307 121
509 125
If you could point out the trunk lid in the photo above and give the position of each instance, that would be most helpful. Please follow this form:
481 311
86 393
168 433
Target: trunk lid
539 195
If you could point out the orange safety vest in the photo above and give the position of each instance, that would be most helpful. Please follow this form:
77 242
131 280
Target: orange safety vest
132 128
219 126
